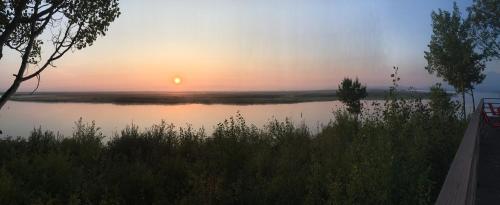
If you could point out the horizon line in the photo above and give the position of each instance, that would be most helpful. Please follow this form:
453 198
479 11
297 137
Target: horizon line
202 91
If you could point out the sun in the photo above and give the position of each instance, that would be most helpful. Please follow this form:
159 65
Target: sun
177 80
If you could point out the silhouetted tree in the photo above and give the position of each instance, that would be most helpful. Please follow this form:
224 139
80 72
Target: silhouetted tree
484 16
441 104
452 54
350 93
74 24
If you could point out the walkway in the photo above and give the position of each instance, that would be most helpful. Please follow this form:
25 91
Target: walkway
488 183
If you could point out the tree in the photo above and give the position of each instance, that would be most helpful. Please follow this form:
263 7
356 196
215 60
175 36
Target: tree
452 55
73 24
484 15
441 104
350 93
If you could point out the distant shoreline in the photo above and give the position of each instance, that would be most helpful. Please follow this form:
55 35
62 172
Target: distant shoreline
171 98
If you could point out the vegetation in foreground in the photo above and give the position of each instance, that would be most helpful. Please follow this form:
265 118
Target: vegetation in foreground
399 154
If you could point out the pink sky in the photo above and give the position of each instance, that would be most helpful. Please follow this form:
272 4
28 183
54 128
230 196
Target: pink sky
246 45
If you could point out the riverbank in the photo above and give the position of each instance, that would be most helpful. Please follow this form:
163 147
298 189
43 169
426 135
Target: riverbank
237 98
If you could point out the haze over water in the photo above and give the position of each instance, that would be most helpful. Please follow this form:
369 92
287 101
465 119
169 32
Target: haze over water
19 118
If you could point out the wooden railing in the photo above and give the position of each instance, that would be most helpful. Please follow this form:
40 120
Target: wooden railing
461 182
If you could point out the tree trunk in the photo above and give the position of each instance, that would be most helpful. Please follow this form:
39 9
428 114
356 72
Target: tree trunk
463 105
19 77
473 100
27 51
6 96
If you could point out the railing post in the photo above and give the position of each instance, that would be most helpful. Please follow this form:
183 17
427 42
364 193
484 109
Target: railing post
461 181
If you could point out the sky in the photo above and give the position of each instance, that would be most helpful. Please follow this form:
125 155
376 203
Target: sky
227 45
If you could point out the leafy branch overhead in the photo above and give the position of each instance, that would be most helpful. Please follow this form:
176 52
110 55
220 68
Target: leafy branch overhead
72 24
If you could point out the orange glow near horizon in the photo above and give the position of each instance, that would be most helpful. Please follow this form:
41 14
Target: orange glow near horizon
242 46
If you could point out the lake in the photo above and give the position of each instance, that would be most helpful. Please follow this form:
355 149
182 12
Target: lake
19 118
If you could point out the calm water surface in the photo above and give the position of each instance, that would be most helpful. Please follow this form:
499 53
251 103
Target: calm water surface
19 118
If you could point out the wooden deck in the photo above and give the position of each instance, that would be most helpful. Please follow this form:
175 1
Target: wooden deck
488 183
474 174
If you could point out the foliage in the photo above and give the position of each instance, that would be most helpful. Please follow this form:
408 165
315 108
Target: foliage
351 92
397 154
73 24
452 55
485 18
441 103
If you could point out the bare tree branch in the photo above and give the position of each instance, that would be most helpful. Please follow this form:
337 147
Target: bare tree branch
38 77
57 52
